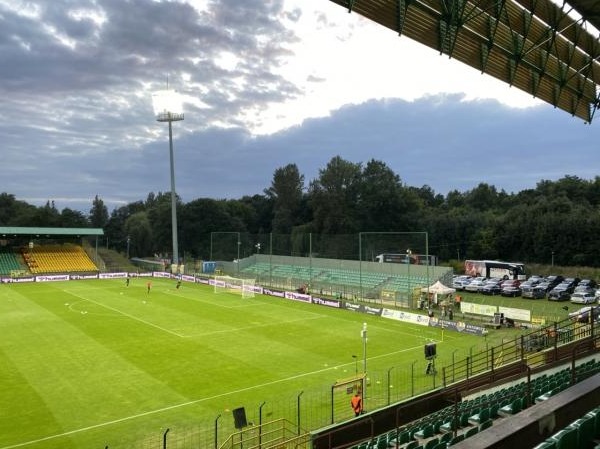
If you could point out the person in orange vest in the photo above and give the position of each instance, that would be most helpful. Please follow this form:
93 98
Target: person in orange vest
356 403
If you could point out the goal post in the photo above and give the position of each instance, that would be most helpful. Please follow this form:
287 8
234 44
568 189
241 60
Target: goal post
239 286
341 396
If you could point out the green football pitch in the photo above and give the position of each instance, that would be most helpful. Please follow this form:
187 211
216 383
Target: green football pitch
90 364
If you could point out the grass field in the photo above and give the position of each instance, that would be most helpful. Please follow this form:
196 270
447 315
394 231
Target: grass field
87 364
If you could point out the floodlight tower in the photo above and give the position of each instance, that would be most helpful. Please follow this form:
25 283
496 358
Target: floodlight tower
168 108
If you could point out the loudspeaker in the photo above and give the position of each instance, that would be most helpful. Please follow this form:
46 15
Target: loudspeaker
239 416
430 350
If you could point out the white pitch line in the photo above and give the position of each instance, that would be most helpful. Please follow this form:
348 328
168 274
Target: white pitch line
148 323
185 404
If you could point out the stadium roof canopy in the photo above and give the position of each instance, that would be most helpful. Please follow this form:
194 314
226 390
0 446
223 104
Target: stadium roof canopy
542 48
47 232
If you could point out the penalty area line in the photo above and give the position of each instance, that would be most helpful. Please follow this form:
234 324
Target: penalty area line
147 323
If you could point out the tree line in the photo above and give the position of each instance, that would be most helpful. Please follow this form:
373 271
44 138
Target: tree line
557 221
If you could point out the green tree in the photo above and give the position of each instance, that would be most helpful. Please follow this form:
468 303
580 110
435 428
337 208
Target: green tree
286 194
334 196
12 211
98 213
381 205
138 230
114 230
159 213
70 218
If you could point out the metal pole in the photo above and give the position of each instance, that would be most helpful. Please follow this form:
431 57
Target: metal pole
238 252
453 366
310 260
217 432
388 384
173 198
427 254
412 378
271 259
364 336
355 364
408 253
298 417
360 264
260 424
165 439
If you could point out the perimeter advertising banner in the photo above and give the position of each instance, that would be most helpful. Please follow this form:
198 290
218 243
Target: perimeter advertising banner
407 317
457 326
478 309
516 314
52 278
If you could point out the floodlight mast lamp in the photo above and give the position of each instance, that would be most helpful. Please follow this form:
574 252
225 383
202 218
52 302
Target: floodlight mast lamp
168 108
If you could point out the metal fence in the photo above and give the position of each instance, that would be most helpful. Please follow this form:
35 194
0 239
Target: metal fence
316 407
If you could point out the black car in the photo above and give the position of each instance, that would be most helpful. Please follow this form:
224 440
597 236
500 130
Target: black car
492 288
559 293
552 281
535 292
512 291
590 283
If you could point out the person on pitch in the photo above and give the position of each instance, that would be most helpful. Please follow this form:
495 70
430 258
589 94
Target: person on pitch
356 403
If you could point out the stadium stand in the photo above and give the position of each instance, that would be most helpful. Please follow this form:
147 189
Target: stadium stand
367 280
473 415
9 262
67 258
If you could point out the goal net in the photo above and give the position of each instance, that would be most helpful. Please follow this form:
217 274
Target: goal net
240 286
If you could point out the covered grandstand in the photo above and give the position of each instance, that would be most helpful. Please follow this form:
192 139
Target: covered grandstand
26 251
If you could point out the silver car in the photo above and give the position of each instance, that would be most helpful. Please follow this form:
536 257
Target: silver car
583 298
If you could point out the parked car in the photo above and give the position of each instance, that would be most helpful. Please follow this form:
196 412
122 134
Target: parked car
460 282
563 291
475 284
584 289
583 314
493 287
570 283
550 282
588 283
530 283
534 279
512 291
533 292
583 298
559 293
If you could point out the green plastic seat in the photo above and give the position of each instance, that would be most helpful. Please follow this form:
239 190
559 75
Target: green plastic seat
586 429
565 438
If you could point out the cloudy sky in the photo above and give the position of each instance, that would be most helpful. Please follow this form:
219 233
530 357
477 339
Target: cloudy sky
265 83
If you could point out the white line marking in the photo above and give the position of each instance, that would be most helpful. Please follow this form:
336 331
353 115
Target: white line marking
185 404
148 323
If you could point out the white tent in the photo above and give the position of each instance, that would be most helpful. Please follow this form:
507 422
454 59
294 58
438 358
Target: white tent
439 289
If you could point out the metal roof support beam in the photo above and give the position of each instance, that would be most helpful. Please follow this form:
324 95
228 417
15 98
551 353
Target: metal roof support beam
401 8
562 81
500 38
450 23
